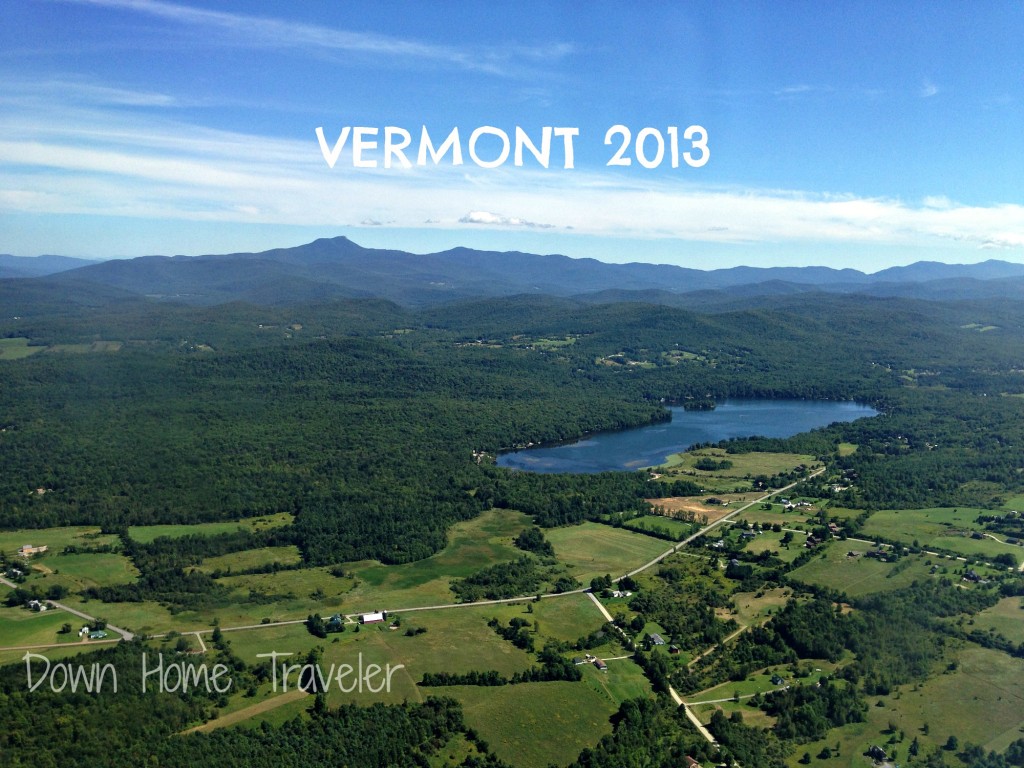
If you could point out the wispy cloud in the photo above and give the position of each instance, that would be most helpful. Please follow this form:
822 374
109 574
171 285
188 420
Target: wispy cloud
928 89
498 220
93 162
269 32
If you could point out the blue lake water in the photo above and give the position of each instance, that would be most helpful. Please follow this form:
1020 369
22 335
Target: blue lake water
649 446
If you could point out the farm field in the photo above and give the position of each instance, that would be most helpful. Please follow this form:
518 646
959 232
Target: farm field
20 626
751 609
472 545
16 349
144 534
537 724
592 549
251 558
54 538
771 541
81 571
938 528
1005 617
744 466
835 569
677 528
987 681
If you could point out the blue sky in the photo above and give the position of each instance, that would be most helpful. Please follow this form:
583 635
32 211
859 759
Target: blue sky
861 134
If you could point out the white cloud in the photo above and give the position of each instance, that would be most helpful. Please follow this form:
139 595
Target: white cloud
268 32
99 164
928 89
496 219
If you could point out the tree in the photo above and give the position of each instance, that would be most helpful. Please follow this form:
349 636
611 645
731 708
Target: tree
952 744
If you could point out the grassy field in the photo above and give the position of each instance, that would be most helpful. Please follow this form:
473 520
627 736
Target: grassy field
20 626
54 538
938 528
676 528
989 684
770 541
744 467
56 653
472 545
251 558
536 724
81 571
1005 617
1014 503
15 349
860 575
146 533
751 609
592 549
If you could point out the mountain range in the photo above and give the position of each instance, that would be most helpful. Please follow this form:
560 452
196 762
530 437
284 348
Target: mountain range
334 268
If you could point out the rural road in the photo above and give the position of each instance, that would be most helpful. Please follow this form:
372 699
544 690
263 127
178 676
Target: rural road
122 632
706 528
443 606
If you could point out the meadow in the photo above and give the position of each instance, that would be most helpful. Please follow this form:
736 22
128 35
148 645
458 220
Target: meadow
593 549
979 702
833 567
144 534
942 529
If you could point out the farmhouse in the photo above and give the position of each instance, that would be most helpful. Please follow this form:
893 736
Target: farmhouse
373 618
601 665
28 550
655 639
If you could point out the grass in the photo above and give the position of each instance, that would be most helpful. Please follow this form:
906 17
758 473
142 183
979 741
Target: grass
744 467
64 651
771 541
1014 503
54 538
144 534
16 349
753 609
536 724
1005 617
676 528
592 549
981 703
251 558
94 346
81 571
20 626
860 575
472 545
938 528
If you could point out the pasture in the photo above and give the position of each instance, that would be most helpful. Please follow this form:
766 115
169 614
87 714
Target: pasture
592 549
144 534
56 539
939 528
472 545
988 684
16 349
833 567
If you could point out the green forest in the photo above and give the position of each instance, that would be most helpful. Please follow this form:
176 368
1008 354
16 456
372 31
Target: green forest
375 429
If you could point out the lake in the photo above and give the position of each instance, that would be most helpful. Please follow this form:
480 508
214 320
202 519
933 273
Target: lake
649 446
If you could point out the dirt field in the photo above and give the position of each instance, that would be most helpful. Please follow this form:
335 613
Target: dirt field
674 504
